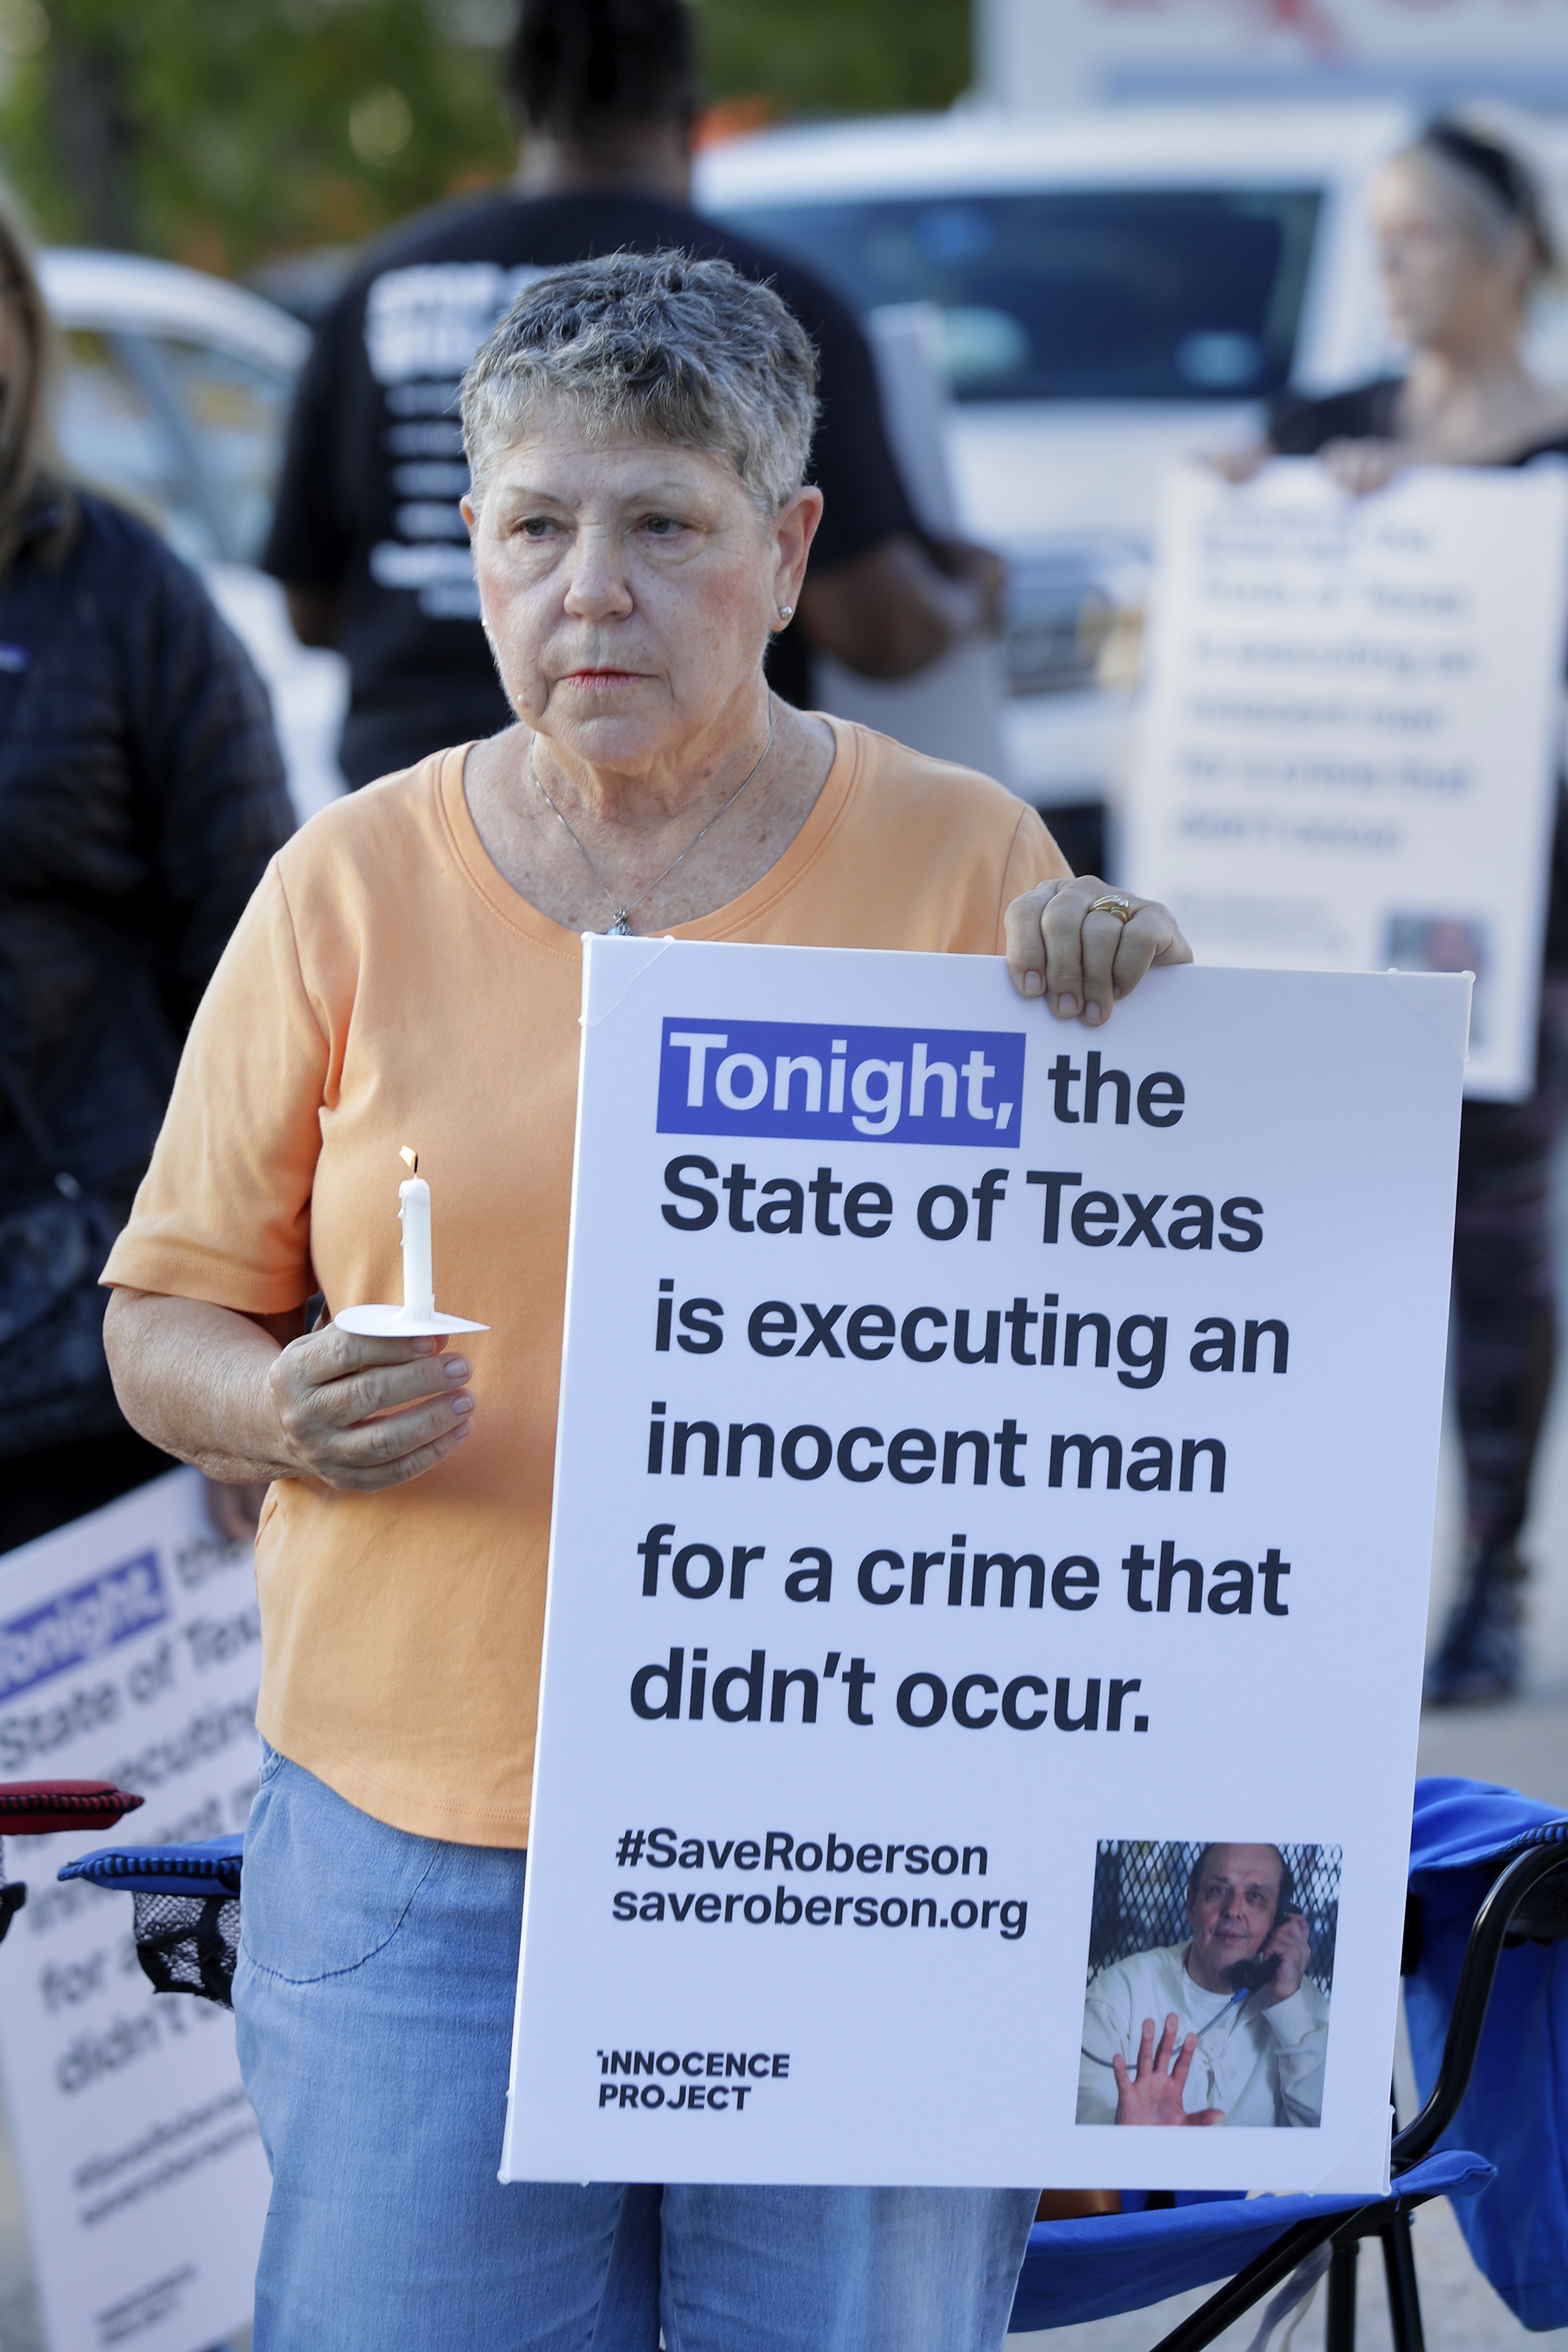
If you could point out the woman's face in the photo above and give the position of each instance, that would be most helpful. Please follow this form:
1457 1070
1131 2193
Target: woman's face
1440 278
628 588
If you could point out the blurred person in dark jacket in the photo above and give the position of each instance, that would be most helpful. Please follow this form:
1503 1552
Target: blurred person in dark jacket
367 539
141 794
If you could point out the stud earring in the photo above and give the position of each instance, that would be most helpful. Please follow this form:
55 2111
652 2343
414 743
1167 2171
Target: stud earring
786 610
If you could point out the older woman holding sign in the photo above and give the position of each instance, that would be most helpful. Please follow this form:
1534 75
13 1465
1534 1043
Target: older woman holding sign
409 972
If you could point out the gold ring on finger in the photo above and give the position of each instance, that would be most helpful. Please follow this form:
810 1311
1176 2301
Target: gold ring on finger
1113 904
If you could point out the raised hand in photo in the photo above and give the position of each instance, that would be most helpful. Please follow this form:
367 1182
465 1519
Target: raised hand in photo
1153 2093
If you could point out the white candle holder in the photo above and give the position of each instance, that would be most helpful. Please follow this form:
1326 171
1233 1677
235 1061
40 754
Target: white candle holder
396 1323
419 1317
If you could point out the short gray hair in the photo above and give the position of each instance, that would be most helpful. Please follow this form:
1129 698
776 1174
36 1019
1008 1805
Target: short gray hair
661 345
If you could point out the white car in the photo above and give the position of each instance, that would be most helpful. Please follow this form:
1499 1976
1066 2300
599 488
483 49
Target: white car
1115 291
175 399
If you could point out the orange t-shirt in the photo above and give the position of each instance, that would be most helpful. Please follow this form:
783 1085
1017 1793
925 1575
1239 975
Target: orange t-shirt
386 986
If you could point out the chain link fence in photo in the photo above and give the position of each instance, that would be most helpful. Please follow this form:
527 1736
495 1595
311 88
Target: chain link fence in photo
1140 1890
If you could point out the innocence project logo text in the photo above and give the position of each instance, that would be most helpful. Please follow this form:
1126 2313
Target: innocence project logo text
812 1080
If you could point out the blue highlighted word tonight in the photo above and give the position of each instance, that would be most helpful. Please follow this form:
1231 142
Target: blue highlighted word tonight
887 1085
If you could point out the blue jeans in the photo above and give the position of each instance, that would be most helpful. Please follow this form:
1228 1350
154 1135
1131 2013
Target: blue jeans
374 2000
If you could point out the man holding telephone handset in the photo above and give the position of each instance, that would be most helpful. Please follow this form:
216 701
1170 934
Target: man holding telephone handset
1252 2027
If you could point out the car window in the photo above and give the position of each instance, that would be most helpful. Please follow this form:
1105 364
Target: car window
237 411
188 435
115 436
1182 294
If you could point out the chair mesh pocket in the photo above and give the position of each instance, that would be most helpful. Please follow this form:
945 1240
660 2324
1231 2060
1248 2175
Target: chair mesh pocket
188 1943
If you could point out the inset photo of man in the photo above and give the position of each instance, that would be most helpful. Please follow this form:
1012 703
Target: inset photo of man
1210 1972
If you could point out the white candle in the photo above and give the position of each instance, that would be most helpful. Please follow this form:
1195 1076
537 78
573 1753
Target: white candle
418 1315
413 1211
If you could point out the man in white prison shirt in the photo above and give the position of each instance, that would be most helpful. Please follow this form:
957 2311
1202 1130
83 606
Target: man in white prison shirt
1252 2039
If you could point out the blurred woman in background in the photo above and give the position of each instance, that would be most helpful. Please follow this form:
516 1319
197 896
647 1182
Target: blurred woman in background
141 794
1463 240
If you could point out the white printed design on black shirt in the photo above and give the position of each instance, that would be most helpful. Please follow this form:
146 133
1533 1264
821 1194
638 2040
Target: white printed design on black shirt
429 320
422 326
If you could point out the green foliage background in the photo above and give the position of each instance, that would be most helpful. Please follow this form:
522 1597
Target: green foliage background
838 57
217 131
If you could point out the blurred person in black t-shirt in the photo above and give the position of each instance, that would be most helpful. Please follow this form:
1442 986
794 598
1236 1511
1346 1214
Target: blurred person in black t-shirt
367 539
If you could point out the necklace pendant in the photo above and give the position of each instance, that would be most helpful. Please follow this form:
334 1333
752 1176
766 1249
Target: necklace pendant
620 928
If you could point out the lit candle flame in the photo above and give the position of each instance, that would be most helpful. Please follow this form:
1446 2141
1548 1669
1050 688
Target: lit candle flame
412 1158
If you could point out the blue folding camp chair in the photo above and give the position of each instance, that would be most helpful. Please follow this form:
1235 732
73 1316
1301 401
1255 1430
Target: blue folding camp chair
1489 1874
1468 1838
1093 2268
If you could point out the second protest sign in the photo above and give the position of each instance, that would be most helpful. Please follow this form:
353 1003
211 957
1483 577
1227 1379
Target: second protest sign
993 1519
1350 742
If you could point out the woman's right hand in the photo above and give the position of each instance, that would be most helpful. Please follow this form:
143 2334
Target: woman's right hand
362 1414
1360 468
1239 466
1363 467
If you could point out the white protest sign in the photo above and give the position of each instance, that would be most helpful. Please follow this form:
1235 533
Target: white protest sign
1348 750
994 1460
129 1649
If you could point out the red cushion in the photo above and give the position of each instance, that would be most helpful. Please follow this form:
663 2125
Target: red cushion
39 1808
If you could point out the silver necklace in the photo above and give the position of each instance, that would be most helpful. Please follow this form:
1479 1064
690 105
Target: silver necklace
621 928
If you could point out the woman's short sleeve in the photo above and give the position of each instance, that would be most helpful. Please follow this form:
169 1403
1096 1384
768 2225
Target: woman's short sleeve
1032 859
223 1212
